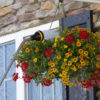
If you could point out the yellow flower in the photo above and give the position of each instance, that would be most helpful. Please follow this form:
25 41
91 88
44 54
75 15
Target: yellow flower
52 65
55 70
83 63
52 76
65 46
62 67
37 50
67 55
79 66
66 69
54 45
57 38
27 43
98 65
58 57
76 26
65 59
69 49
27 50
49 63
60 75
78 44
73 68
35 60
64 64
62 39
80 51
70 84
86 53
75 59
69 63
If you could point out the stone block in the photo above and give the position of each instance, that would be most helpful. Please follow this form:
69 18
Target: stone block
7 20
6 10
48 5
41 14
17 6
26 17
75 5
41 0
4 3
95 18
77 11
10 29
95 7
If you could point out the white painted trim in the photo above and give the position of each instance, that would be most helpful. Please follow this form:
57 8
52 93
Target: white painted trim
18 38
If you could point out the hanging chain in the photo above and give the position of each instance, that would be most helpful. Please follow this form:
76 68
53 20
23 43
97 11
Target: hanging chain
54 16
60 1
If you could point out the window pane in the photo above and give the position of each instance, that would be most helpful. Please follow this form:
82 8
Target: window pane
1 62
47 93
10 90
2 92
58 90
34 91
10 49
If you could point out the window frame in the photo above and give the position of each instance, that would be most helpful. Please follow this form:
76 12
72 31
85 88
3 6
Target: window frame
17 37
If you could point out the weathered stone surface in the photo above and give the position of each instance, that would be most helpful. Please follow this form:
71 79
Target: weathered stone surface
30 24
97 24
77 11
28 8
95 18
41 0
95 7
48 5
7 20
17 6
41 14
4 3
22 1
5 10
26 17
75 5
10 29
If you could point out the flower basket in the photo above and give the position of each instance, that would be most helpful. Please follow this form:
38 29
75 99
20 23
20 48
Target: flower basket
73 57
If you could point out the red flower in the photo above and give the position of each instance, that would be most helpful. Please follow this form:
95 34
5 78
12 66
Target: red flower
46 82
24 66
27 78
84 35
49 53
34 73
98 46
15 77
70 38
17 65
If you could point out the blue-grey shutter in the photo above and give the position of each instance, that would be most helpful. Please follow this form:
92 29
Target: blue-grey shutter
83 20
8 87
53 92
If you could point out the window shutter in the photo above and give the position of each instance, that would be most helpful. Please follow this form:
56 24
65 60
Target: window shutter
83 20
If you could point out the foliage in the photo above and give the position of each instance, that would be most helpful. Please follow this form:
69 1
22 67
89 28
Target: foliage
73 57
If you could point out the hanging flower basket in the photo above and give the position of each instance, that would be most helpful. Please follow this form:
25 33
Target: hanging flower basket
73 57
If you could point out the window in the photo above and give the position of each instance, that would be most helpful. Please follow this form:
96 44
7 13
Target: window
8 87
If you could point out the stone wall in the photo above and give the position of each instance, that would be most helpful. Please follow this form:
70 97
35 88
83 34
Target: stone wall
16 15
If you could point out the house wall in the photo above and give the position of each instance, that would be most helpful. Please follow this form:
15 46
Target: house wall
16 15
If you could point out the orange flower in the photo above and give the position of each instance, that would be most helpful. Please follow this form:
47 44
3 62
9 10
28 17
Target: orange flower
80 51
78 44
23 46
58 57
69 63
85 53
27 50
27 43
75 59
67 55
98 65
98 57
